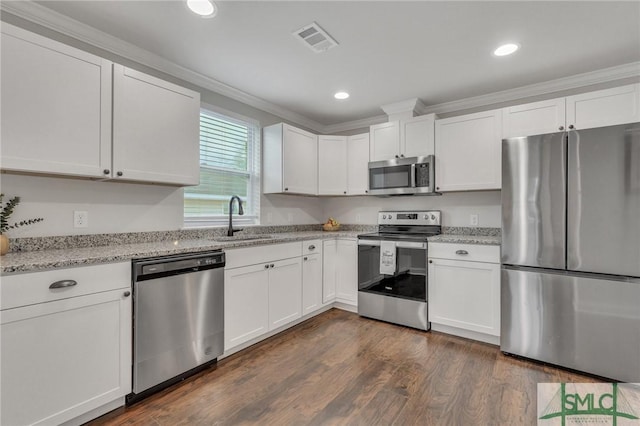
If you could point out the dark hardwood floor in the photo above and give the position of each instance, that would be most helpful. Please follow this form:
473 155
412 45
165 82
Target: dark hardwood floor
338 368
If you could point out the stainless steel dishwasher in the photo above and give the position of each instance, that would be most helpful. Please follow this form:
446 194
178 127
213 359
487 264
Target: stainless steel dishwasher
178 318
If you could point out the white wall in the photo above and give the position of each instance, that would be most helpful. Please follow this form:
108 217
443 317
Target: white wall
112 206
456 207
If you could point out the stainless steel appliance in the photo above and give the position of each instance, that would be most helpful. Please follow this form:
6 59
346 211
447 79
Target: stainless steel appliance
571 249
414 175
392 268
178 317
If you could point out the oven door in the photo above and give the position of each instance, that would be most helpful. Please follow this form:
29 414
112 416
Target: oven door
410 280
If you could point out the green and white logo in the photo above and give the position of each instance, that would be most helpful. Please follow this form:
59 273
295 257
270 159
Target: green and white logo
616 404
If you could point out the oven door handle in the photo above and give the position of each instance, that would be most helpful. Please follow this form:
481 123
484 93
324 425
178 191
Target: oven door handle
399 244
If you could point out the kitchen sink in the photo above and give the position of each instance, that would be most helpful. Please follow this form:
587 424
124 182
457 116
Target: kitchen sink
243 237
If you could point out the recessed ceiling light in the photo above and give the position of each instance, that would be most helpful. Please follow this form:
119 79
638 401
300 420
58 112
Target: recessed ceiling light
506 49
204 8
341 95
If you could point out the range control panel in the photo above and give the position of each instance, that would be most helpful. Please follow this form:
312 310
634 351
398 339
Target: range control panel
425 217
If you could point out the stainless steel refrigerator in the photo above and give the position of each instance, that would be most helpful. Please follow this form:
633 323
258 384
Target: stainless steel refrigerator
571 250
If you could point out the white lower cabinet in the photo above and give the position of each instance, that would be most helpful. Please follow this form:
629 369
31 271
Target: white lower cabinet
340 271
70 353
264 295
246 311
464 290
311 283
285 292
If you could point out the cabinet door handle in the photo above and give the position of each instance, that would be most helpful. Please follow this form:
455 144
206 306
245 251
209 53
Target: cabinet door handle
119 173
63 284
106 171
305 258
561 128
266 266
401 155
462 252
571 126
272 265
345 192
286 189
397 156
431 261
312 247
366 191
127 294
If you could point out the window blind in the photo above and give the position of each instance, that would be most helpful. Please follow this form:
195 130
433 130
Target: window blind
229 165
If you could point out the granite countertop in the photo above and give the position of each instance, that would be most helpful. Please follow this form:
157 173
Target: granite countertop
29 261
491 240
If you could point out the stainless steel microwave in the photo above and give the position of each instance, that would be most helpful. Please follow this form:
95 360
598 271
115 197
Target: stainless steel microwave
413 175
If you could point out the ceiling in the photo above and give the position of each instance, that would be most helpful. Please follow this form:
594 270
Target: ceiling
388 51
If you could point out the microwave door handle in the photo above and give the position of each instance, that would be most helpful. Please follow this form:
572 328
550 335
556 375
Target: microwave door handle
413 175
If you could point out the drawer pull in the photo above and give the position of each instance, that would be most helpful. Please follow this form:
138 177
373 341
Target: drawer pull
312 247
462 252
63 284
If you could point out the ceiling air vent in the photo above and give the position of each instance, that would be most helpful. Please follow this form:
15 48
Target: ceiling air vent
315 38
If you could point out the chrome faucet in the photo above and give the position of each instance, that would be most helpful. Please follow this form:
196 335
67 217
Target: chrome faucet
240 212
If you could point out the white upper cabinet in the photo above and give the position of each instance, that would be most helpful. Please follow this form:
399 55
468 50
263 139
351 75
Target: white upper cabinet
156 128
385 141
468 152
57 117
417 136
358 164
608 107
332 165
413 137
56 107
534 119
290 160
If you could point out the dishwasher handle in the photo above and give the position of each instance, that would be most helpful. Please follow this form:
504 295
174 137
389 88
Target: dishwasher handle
157 267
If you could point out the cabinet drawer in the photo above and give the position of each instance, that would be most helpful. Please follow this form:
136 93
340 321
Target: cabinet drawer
311 247
469 252
31 288
268 253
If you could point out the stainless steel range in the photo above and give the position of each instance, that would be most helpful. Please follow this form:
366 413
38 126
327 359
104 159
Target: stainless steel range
392 268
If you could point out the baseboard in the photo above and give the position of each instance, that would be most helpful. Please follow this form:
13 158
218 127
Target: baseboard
473 335
346 306
95 413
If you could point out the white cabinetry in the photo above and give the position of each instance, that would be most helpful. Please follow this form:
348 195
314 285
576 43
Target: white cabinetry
340 271
332 165
156 129
536 118
358 164
57 117
412 137
311 276
56 107
468 152
285 292
290 160
464 290
263 291
609 107
68 349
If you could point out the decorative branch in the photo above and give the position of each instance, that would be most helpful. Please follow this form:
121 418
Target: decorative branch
7 211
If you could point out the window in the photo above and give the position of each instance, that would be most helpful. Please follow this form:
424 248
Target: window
229 165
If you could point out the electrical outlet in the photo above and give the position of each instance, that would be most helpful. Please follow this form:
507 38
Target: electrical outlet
358 218
473 220
80 219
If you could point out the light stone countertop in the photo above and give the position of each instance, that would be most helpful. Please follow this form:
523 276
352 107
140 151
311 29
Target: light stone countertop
466 239
38 260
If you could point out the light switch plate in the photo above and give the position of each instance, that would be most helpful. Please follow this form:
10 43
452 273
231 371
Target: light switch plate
473 220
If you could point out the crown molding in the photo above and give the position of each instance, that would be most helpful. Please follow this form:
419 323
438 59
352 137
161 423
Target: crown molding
55 21
620 72
353 125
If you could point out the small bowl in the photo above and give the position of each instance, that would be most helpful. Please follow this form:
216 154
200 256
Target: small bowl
329 228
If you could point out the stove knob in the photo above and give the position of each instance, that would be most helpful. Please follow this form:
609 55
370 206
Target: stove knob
384 216
426 216
433 217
